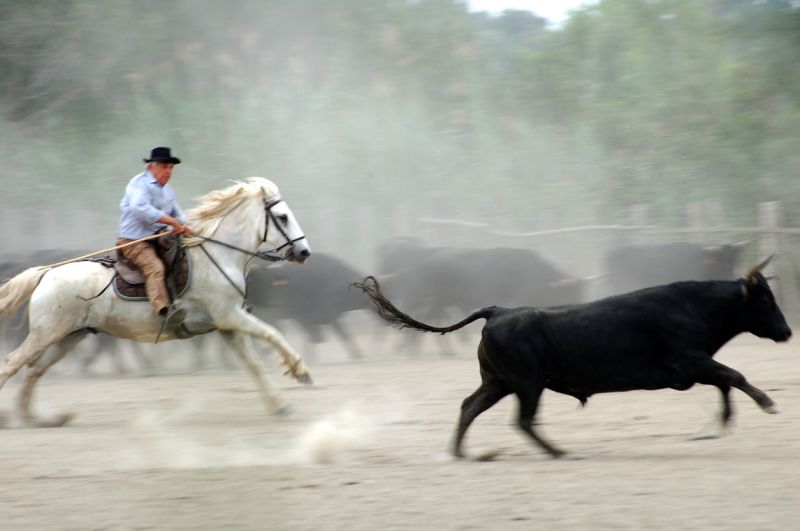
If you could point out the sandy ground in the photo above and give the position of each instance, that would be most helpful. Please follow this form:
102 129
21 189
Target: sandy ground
366 448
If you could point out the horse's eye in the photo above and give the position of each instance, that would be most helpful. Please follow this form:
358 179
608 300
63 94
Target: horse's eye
283 218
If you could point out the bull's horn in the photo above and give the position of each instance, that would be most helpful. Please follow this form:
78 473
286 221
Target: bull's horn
757 269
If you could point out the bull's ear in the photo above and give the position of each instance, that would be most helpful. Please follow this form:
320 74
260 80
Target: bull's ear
751 275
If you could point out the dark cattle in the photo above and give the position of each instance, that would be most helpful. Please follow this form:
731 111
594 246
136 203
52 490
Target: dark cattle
633 267
656 338
401 253
434 282
431 280
313 296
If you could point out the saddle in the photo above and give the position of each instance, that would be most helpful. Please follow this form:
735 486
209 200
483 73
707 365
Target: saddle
129 280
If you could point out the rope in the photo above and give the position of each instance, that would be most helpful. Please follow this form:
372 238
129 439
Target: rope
116 247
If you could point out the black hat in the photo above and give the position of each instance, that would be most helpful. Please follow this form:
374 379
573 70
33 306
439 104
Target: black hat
162 154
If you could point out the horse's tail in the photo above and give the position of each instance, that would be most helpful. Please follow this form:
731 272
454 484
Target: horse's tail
15 292
389 312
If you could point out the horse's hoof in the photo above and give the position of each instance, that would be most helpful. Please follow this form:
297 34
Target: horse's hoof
771 409
304 379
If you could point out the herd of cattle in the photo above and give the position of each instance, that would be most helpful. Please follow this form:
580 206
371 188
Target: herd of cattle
432 283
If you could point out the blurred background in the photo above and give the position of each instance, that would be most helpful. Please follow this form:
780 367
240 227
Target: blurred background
461 124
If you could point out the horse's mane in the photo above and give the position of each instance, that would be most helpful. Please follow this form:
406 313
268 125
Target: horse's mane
204 219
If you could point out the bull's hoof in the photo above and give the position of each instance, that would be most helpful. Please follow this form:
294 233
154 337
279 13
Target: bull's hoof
705 437
284 410
491 455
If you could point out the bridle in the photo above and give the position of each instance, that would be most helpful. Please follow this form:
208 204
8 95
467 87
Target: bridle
264 255
269 256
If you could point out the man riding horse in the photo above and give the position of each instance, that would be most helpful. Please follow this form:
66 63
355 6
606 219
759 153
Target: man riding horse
148 206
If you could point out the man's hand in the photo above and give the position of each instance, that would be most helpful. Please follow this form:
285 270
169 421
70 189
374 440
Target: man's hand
177 228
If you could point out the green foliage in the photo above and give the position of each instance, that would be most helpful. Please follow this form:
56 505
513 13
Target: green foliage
632 101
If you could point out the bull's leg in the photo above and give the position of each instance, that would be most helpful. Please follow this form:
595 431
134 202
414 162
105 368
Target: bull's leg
146 364
243 345
727 407
351 346
116 356
712 372
312 336
528 404
487 395
88 359
35 371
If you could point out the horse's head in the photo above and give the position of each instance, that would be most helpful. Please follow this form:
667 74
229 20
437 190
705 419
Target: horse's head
282 234
250 216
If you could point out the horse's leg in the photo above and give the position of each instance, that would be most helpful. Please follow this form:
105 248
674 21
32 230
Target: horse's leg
30 349
35 371
243 345
240 320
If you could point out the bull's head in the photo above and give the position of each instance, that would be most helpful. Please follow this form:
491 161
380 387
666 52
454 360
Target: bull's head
763 316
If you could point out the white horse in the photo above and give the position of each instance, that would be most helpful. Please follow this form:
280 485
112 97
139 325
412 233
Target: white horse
69 301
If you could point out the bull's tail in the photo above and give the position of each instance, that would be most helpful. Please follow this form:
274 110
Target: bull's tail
18 290
389 312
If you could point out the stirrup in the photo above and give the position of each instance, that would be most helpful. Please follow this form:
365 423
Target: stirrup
175 316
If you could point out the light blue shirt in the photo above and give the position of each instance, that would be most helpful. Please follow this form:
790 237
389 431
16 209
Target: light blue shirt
144 202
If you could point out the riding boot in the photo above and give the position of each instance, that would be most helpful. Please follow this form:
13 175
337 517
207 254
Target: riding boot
174 314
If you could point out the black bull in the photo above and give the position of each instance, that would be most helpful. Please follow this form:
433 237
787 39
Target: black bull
655 338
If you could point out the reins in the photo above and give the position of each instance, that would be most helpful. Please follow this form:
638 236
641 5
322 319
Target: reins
264 255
